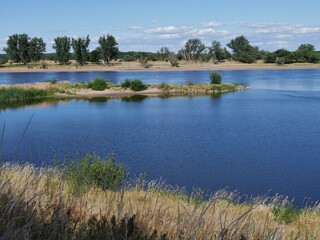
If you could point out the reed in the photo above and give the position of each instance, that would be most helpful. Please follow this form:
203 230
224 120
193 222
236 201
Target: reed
36 203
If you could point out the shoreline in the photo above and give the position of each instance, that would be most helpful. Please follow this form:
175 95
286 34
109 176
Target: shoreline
161 67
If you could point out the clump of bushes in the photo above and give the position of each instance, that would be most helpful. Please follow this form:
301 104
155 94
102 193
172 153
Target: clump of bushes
98 84
134 85
215 78
93 171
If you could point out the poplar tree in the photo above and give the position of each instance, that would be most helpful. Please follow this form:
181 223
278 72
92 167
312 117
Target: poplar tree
80 49
108 48
62 45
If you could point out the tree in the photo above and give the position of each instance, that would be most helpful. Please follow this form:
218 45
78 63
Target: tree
95 56
307 53
37 48
192 49
167 55
108 48
217 52
18 48
21 48
62 45
242 50
80 48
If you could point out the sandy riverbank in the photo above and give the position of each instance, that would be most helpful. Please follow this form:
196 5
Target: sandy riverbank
160 66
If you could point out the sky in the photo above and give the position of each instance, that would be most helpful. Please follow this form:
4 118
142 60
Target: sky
148 25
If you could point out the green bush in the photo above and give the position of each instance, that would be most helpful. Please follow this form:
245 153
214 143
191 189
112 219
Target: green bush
285 214
92 171
134 85
98 84
215 78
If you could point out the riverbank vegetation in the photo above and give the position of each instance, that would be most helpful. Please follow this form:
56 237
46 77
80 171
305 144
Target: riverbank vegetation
21 49
93 198
100 87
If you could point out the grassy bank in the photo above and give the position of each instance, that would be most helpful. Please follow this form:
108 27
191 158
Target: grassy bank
44 203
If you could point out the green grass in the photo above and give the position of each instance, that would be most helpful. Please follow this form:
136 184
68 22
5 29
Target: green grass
94 172
21 94
285 214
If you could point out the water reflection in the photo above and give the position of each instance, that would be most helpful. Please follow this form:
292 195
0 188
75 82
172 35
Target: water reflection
39 103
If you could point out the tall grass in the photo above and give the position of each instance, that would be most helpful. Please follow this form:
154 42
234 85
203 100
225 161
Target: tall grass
36 203
21 94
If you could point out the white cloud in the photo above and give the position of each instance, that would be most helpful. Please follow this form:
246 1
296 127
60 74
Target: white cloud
305 30
212 24
169 36
211 32
277 44
284 36
168 30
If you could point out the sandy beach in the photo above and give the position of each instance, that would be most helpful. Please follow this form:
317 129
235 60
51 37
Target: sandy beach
160 66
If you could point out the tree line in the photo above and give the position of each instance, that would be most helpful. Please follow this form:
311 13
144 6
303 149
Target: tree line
23 49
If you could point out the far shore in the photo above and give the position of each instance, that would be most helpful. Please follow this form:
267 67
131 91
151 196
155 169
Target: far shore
158 66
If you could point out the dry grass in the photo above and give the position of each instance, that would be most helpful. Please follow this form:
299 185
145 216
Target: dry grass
35 203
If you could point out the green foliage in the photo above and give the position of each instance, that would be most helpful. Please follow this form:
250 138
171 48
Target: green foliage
245 57
62 45
307 53
98 84
22 49
36 49
108 48
192 49
280 61
224 87
166 55
80 49
20 94
3 59
95 56
285 214
270 58
134 85
216 52
243 51
215 78
93 171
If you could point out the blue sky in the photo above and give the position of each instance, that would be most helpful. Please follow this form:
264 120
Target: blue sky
149 24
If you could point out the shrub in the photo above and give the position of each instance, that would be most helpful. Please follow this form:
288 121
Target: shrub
280 61
285 214
134 85
126 83
98 84
215 78
43 65
92 171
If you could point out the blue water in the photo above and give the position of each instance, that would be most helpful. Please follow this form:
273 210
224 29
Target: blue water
265 138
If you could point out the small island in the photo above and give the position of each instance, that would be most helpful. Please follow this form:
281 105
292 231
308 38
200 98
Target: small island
101 88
